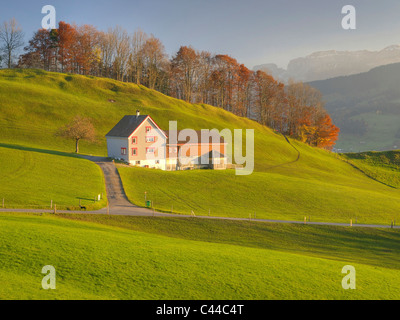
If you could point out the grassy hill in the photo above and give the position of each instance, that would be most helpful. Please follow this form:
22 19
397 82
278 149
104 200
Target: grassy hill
34 104
116 257
35 178
381 166
366 107
264 195
155 258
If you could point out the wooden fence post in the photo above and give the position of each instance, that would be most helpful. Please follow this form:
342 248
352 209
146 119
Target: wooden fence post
55 208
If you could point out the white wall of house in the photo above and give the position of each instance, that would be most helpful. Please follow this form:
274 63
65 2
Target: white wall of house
115 146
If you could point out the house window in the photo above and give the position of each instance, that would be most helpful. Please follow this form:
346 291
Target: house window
123 151
149 150
134 140
150 139
148 129
134 151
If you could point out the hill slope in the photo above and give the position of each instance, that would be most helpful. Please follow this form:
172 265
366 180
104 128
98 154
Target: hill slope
36 103
34 178
95 261
366 107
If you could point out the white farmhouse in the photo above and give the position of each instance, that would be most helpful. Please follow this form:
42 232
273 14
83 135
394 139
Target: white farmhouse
139 141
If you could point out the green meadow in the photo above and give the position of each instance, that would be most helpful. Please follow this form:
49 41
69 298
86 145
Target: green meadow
381 166
34 178
263 195
101 257
318 184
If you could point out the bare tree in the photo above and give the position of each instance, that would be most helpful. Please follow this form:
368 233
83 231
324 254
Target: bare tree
78 129
155 58
136 59
122 51
204 83
11 38
108 44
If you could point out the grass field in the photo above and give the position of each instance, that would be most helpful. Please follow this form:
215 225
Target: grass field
31 179
319 184
381 166
155 258
263 195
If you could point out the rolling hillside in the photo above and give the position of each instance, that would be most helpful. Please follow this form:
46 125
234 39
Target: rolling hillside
34 104
122 257
155 258
37 179
366 107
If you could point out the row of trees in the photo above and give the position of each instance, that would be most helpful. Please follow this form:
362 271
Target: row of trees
296 110
195 76
137 58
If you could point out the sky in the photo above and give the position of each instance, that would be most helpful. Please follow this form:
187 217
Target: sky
252 31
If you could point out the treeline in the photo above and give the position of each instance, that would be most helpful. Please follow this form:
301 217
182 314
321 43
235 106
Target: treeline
296 109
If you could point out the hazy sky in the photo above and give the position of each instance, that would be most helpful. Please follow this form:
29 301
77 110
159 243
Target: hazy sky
252 31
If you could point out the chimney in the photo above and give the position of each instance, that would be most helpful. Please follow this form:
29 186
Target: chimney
137 113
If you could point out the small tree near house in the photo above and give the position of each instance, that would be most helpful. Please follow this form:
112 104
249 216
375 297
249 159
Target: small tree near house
79 128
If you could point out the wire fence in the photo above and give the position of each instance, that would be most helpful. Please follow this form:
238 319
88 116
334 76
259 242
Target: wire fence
81 204
215 210
256 213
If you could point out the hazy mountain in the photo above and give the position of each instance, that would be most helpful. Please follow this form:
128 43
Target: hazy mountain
274 70
366 107
329 64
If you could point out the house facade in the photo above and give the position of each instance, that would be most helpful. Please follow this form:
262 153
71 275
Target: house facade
139 141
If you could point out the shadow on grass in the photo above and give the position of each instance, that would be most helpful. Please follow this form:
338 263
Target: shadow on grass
46 151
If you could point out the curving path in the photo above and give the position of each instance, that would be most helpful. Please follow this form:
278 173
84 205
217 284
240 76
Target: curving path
117 200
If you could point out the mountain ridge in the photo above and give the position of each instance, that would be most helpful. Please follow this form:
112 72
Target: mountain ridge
322 65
